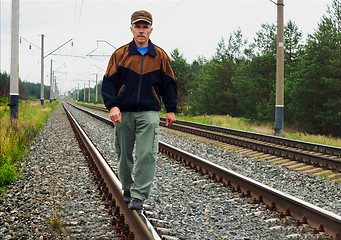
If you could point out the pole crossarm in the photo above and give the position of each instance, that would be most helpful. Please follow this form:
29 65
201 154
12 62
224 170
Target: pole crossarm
60 67
66 55
99 55
280 4
90 55
21 38
101 69
58 48
106 43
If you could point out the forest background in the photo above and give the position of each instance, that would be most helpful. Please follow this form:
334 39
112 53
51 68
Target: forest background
240 79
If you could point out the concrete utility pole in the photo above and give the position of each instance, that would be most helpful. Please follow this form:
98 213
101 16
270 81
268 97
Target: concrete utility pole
14 78
84 92
78 93
54 84
89 92
279 111
42 71
96 89
51 83
55 95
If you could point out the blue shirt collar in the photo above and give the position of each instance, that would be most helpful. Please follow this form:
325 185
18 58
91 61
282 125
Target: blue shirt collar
133 48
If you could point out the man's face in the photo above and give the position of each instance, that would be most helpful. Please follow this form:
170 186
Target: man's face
141 31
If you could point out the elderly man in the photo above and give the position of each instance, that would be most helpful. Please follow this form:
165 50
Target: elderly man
138 77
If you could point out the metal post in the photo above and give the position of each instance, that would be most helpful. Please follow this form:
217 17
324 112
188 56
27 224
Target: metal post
96 89
279 111
89 92
51 83
53 86
14 78
42 71
55 96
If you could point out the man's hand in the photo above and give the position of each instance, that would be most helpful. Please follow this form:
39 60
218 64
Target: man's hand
170 118
115 114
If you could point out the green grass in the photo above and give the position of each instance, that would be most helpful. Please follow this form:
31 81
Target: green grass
17 134
325 175
264 128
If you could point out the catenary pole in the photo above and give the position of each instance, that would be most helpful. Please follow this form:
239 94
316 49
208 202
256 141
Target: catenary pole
55 94
89 93
54 79
42 71
14 78
96 89
84 94
279 111
51 83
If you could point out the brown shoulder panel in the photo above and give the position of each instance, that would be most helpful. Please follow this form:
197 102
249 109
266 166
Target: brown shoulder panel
166 65
122 58
115 60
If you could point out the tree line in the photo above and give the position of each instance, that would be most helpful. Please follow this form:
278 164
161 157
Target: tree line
27 90
240 79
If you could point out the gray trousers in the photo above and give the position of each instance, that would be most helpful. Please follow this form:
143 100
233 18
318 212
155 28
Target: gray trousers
142 129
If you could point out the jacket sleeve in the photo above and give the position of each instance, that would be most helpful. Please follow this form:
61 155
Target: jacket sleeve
169 90
109 86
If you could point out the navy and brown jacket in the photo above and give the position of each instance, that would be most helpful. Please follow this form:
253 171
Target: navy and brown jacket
135 83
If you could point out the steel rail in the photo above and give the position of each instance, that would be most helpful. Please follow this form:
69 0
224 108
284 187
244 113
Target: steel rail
287 205
308 158
314 147
137 229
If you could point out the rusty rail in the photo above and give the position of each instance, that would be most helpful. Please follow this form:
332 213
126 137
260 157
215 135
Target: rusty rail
308 146
302 211
299 156
128 223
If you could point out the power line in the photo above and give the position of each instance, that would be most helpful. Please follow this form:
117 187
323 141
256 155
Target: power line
170 10
77 24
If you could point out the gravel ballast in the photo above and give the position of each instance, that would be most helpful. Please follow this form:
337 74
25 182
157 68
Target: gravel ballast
55 179
55 186
185 200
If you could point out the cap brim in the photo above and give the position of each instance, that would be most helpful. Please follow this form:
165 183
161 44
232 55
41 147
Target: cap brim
141 20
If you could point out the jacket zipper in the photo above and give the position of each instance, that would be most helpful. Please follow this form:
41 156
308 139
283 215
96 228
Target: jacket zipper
140 82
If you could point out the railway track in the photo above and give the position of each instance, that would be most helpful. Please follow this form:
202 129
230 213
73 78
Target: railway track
319 156
304 213
128 224
309 157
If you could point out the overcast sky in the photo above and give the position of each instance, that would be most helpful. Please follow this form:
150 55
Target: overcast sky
96 27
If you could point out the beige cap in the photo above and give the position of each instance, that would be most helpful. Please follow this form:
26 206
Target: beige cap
142 15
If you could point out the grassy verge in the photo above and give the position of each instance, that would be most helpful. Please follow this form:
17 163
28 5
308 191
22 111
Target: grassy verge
265 128
16 135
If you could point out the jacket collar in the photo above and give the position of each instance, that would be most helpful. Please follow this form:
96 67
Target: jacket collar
133 48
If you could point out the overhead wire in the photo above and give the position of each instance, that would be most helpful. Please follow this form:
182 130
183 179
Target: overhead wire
170 10
77 24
